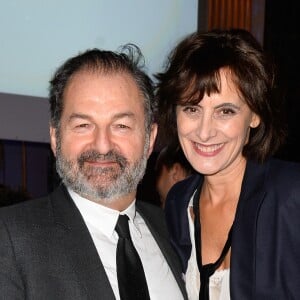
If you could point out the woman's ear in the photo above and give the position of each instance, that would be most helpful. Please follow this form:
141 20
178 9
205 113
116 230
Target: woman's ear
255 121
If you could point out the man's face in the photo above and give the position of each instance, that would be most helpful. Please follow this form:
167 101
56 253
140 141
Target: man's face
102 147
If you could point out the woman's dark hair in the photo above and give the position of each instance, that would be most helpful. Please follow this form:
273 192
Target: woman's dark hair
193 70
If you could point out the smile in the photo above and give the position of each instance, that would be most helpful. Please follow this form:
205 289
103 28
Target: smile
209 149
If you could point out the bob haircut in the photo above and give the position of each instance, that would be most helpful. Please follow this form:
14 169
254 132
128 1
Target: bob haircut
193 70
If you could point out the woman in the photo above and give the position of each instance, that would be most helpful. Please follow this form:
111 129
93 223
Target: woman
234 224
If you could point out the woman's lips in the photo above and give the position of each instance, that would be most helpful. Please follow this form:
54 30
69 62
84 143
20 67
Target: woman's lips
208 150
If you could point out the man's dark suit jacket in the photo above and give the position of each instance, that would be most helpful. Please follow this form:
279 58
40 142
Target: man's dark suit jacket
265 249
46 251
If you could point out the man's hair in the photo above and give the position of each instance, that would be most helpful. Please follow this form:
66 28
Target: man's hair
128 60
193 70
168 156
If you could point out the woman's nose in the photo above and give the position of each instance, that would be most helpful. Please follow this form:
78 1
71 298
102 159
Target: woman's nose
206 127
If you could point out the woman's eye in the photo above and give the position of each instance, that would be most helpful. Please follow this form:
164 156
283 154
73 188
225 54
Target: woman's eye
227 111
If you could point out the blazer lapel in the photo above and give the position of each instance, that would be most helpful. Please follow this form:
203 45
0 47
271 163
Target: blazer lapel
244 232
177 217
80 250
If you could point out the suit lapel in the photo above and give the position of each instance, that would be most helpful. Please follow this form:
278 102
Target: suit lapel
80 250
245 231
157 227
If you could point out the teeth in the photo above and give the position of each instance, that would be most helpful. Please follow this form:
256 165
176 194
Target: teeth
207 149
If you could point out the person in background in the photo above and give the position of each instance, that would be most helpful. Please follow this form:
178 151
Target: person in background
66 245
235 224
146 190
171 166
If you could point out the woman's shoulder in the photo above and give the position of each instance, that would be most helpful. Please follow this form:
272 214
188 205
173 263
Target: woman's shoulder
284 167
283 174
276 167
187 185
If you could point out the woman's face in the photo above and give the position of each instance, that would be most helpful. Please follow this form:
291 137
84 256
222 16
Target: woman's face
213 132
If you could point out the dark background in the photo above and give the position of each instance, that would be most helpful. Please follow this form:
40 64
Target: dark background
282 39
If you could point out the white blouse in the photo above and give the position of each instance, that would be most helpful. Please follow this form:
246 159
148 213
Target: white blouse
218 282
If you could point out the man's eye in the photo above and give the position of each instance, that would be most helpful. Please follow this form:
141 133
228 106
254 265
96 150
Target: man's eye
122 126
83 125
190 109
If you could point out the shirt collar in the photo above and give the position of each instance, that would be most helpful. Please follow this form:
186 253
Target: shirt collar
99 216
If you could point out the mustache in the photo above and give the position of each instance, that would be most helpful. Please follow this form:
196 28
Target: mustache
94 155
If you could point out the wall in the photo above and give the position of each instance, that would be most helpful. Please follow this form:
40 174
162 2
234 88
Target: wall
37 36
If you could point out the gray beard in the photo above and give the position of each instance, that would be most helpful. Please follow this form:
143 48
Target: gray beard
101 184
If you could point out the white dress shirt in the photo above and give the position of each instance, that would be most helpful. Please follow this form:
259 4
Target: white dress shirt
101 222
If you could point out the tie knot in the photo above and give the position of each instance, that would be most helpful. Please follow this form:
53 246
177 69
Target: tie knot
122 227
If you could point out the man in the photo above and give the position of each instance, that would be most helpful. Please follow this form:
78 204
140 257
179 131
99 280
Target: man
171 166
64 246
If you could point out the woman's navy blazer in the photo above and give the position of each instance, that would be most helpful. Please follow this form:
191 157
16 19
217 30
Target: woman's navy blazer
265 249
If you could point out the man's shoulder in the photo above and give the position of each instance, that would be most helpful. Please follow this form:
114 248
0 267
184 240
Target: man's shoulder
33 209
36 217
25 211
25 205
35 204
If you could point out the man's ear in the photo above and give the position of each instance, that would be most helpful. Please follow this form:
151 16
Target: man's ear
153 135
53 139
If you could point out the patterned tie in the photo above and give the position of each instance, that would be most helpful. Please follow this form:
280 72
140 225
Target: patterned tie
131 277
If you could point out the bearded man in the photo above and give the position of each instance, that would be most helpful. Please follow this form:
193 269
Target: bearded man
66 245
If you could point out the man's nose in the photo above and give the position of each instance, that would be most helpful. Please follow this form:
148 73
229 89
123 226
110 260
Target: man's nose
102 140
